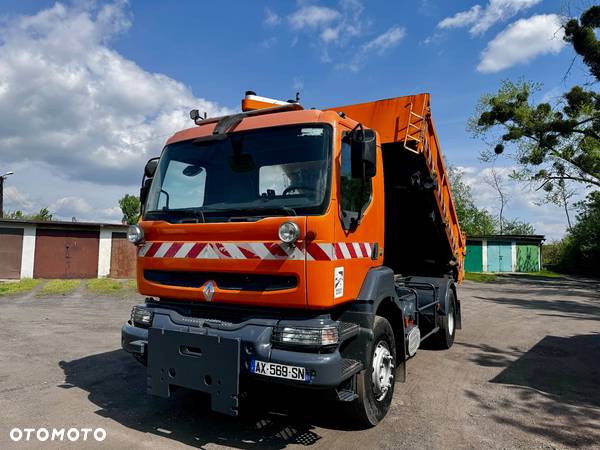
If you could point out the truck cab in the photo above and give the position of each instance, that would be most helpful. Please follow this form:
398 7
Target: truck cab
311 247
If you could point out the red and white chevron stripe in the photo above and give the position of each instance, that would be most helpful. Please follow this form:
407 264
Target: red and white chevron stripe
256 250
338 250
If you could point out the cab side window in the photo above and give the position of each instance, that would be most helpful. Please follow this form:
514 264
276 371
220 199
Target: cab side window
355 192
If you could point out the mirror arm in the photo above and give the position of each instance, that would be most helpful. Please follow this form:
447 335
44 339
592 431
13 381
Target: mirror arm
362 130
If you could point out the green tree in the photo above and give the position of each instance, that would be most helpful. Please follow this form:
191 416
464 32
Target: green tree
556 146
130 207
552 142
516 226
18 215
476 221
496 181
473 221
579 252
43 215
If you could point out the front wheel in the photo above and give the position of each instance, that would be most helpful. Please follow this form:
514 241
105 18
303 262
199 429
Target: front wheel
375 384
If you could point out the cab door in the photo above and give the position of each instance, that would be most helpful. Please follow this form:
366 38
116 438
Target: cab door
359 226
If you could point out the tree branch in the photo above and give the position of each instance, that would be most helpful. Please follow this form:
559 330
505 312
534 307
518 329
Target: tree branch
569 177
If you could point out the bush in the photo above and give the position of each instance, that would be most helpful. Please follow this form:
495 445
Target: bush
579 251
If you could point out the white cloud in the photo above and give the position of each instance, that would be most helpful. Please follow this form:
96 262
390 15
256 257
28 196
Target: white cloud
385 41
336 32
379 45
435 38
333 26
269 42
70 101
462 18
77 108
524 202
312 17
71 207
330 34
271 18
351 23
522 41
480 19
14 200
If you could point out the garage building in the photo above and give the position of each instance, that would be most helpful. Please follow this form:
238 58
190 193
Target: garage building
504 253
55 249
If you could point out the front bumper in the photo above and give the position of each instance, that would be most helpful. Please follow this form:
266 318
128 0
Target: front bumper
211 356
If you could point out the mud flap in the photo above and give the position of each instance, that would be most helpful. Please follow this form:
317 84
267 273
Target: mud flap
204 363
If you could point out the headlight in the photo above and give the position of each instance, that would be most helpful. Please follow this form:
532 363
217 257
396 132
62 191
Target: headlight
141 316
135 234
289 232
315 337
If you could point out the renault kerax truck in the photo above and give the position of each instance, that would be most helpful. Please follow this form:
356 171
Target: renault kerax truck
313 248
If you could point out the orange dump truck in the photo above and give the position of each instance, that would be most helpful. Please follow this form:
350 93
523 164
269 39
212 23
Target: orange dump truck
314 248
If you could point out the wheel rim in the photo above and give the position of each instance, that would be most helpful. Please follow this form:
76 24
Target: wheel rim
451 323
383 370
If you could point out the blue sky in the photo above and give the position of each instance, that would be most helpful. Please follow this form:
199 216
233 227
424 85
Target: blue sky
114 78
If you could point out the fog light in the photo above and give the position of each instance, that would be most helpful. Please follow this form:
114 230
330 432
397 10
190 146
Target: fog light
289 232
141 316
135 234
306 336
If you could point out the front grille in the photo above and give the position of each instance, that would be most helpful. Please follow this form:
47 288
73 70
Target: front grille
227 281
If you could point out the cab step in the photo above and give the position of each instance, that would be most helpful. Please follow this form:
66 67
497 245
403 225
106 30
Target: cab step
350 367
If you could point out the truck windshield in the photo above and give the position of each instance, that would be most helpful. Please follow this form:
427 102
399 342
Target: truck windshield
256 173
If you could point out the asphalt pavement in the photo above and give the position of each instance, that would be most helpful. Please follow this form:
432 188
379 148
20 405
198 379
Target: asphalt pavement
523 373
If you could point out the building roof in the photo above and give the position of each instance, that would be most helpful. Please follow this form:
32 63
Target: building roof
508 237
61 223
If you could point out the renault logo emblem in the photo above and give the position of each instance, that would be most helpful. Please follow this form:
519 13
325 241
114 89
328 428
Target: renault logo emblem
208 291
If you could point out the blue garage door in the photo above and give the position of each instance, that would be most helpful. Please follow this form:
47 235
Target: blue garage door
499 256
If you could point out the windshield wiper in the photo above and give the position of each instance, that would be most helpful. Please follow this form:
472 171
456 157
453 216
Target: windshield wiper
284 209
197 215
183 215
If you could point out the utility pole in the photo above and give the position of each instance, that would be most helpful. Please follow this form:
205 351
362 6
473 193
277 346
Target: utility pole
2 178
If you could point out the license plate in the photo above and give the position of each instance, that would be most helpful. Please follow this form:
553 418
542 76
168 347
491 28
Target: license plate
279 370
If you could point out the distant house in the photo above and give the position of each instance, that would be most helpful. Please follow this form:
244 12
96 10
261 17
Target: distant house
30 249
504 253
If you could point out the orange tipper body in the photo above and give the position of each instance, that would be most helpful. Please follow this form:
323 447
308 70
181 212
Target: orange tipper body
408 121
311 247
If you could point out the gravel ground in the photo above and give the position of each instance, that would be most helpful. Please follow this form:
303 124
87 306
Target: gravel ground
523 373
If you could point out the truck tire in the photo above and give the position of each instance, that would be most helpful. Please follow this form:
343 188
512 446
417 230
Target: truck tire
375 385
445 337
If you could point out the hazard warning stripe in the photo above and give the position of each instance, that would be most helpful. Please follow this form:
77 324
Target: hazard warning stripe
256 250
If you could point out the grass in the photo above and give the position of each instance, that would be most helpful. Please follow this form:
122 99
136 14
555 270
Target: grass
481 277
18 287
104 286
65 287
491 277
59 287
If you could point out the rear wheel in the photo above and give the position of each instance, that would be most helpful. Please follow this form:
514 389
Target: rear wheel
445 337
375 385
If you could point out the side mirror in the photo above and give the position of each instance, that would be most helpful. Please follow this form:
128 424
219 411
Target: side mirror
150 168
149 172
363 151
144 191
